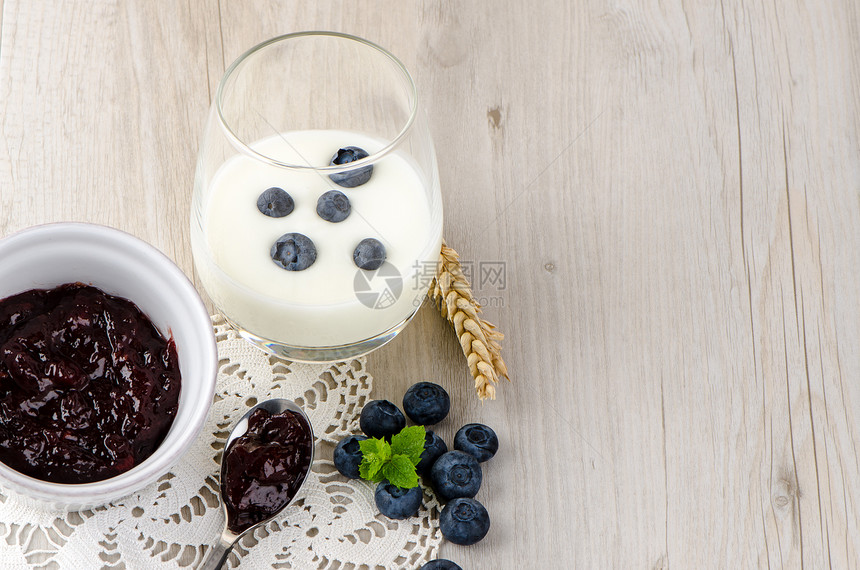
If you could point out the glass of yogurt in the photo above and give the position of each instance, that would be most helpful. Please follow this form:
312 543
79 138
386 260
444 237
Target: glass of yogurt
316 218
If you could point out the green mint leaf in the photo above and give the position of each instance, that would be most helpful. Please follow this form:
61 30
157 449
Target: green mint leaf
409 442
374 454
370 469
400 471
375 447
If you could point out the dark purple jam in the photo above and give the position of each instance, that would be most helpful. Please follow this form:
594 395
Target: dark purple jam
88 386
264 468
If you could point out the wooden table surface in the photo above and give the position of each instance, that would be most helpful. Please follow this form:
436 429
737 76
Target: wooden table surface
672 189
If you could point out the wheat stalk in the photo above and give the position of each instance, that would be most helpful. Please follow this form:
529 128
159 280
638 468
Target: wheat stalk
480 340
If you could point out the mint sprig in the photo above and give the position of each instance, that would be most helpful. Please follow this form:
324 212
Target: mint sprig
395 461
374 454
409 442
400 471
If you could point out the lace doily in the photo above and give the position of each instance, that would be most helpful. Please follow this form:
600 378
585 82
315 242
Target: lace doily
170 524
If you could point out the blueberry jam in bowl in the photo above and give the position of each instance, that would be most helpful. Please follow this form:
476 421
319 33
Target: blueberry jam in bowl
120 393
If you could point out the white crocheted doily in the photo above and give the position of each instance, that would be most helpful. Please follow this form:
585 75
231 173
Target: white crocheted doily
333 524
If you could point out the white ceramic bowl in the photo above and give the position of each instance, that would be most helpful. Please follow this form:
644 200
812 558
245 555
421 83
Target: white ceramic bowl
43 257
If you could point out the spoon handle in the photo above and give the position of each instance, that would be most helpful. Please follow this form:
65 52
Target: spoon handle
218 555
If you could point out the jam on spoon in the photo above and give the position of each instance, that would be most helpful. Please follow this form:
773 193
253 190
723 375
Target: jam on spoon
264 468
266 461
88 386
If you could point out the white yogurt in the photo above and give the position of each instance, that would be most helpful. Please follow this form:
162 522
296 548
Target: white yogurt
318 306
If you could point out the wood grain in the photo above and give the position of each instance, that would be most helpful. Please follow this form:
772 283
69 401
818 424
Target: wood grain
673 188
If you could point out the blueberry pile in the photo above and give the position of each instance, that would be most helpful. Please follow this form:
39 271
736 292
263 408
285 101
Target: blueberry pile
440 564
455 475
434 447
347 455
382 419
297 252
397 503
426 403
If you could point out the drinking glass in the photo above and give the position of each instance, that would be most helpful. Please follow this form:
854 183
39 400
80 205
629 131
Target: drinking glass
288 115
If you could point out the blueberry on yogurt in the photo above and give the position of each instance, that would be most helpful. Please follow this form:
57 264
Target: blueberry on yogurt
294 252
369 254
333 206
275 203
350 178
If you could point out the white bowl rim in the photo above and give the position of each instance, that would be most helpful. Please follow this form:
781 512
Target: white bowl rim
157 464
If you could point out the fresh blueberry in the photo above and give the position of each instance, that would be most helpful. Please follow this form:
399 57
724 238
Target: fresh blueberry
477 440
455 475
333 206
464 521
381 419
369 254
440 564
434 447
396 502
426 403
275 203
347 456
350 178
294 252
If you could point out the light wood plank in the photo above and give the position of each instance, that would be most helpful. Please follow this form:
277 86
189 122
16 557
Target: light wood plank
672 186
1 22
105 102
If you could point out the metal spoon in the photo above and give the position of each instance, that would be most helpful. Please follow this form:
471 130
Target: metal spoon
218 555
